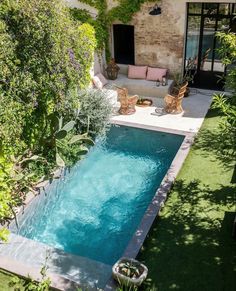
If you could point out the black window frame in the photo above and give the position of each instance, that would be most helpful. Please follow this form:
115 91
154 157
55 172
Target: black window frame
218 16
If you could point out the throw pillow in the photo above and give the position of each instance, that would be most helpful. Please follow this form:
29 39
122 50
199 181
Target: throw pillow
137 72
99 81
154 74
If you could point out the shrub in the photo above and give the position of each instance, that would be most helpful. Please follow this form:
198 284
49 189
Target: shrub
45 56
227 102
95 111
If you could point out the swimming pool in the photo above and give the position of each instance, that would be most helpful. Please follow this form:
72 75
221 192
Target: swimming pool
96 208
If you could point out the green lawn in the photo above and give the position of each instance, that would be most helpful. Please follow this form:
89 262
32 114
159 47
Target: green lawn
5 278
190 246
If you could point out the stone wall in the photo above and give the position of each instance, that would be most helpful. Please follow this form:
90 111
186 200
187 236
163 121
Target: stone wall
160 40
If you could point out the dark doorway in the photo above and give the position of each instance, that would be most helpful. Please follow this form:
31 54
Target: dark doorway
204 21
123 43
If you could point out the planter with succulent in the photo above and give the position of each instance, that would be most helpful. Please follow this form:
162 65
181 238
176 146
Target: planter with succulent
190 72
129 272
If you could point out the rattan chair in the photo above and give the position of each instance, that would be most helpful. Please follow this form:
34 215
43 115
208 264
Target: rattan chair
127 103
173 101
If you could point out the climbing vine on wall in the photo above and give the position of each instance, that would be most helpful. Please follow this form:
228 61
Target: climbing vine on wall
123 12
100 26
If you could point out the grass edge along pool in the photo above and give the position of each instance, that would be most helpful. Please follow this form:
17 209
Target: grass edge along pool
94 210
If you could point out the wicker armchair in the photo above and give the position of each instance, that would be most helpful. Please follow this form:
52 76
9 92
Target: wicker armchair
173 101
127 104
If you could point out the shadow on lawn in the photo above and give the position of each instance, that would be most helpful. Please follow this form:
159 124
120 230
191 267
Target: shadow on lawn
190 247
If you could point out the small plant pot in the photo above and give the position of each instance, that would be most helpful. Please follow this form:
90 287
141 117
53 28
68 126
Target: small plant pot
144 102
123 278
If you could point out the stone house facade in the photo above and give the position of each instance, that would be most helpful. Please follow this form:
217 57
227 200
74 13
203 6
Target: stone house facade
161 40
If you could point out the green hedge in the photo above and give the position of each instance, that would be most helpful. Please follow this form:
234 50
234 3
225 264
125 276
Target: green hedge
45 58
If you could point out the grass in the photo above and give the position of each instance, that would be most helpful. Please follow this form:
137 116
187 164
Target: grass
190 246
5 279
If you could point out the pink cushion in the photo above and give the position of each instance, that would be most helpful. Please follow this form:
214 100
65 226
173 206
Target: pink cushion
137 72
154 74
99 81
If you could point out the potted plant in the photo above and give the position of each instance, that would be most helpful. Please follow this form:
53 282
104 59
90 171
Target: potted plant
188 77
144 102
129 272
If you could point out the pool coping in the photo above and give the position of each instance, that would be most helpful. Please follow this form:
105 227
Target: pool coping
152 127
59 281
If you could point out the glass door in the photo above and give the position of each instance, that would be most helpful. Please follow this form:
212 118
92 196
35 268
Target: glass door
204 21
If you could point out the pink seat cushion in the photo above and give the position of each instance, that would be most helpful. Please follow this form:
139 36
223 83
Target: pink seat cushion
99 81
137 72
154 74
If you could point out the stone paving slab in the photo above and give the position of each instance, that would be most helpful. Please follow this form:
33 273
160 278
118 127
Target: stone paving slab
31 255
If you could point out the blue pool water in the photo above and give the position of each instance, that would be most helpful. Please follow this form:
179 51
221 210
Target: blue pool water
95 210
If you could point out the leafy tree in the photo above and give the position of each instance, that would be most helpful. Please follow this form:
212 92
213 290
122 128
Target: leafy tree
227 102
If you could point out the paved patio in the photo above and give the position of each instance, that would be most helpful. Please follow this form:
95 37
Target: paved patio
195 108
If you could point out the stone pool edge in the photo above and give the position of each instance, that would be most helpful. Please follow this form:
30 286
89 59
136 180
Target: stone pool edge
160 197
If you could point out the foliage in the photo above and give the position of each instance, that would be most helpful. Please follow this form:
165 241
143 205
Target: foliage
95 111
6 200
227 52
45 58
227 49
123 12
227 102
129 269
4 233
126 287
62 140
99 25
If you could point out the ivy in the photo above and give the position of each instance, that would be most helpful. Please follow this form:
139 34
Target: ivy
99 25
124 12
100 5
